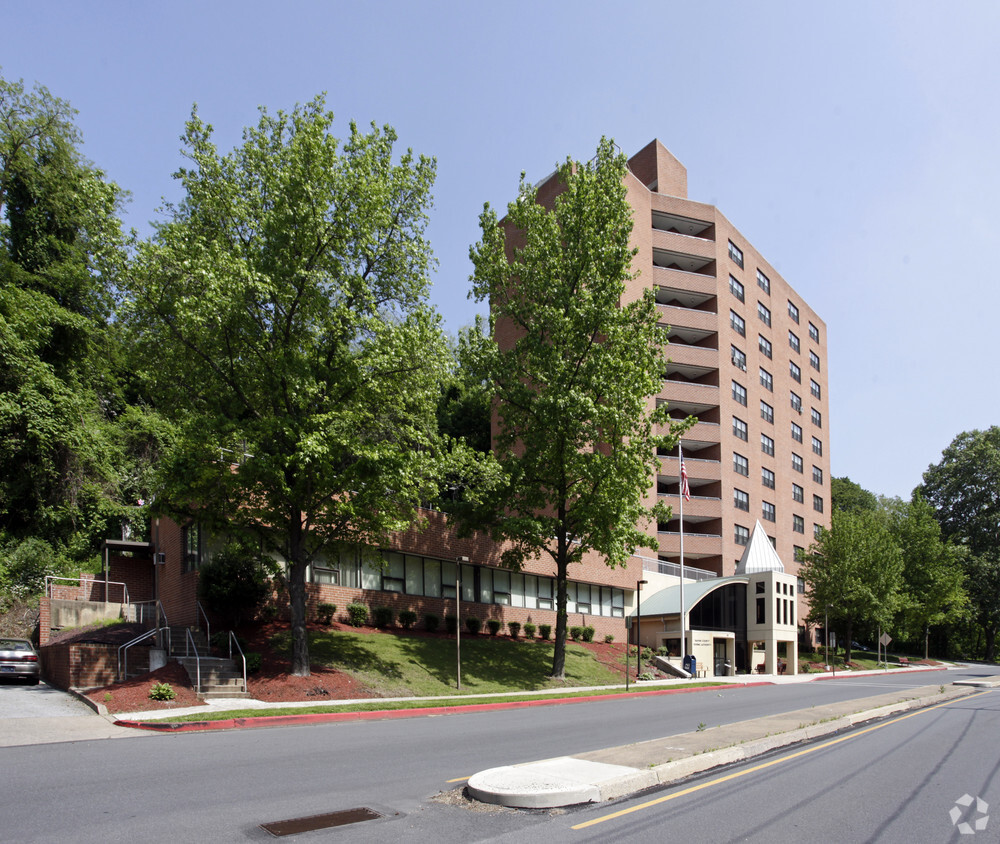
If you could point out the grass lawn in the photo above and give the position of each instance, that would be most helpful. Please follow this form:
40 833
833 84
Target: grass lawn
422 666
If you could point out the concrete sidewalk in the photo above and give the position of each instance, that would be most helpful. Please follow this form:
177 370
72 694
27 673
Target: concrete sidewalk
621 771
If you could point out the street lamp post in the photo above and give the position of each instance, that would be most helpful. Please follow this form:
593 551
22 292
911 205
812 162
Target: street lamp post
458 617
638 627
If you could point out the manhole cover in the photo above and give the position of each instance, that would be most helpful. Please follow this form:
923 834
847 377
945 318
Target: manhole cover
330 819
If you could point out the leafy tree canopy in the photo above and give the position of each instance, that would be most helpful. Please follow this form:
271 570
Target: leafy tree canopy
572 368
854 572
849 496
282 310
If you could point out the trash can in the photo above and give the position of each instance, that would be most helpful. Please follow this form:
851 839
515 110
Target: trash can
690 664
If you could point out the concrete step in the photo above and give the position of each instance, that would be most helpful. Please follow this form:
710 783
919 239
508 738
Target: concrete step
227 692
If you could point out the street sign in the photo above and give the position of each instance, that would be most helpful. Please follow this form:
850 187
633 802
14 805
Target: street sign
833 639
884 640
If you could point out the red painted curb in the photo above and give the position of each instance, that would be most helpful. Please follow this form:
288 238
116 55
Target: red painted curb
388 714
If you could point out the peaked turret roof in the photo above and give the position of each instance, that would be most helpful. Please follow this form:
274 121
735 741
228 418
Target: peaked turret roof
759 555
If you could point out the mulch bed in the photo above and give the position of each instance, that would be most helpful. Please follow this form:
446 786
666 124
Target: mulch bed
133 695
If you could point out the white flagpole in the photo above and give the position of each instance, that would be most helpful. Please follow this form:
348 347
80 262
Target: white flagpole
680 453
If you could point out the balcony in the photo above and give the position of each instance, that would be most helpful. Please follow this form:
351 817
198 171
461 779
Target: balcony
679 335
699 507
663 221
695 357
696 545
699 471
698 265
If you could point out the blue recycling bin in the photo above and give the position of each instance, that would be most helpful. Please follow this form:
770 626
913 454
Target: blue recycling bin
690 664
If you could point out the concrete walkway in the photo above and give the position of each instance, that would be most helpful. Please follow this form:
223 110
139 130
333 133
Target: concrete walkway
621 771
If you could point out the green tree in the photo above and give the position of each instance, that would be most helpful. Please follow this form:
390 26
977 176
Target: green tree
964 489
281 313
847 495
933 577
571 377
854 573
62 252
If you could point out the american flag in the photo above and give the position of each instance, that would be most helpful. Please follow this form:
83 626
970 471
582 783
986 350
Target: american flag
685 488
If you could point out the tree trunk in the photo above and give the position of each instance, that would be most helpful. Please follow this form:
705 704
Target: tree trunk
297 598
847 644
559 652
991 643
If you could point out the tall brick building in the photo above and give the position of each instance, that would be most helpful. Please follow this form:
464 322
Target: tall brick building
747 359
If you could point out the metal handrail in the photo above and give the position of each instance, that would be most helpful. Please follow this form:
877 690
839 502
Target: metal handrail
123 649
49 578
234 641
190 643
208 627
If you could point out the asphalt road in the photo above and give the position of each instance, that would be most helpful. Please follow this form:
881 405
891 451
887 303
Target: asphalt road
222 786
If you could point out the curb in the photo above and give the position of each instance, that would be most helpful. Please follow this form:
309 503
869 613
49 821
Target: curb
252 721
570 780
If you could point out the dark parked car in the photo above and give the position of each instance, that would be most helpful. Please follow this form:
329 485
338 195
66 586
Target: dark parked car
19 659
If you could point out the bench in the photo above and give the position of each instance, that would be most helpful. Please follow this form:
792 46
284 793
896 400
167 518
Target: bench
903 661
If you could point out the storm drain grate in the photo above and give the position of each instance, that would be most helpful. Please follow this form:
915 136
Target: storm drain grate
330 819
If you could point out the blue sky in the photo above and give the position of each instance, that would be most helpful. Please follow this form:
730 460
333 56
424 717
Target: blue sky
854 144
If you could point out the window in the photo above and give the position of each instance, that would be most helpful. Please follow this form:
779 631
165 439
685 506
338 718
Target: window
736 288
766 412
736 254
796 402
767 478
794 371
817 504
798 524
767 511
766 381
763 282
797 493
814 361
813 333
737 324
764 313
741 500
739 393
761 611
817 447
799 553
796 462
817 418
767 444
741 465
814 389
738 358
817 531
742 535
740 429
764 345
793 311
796 433
817 474
793 341
192 547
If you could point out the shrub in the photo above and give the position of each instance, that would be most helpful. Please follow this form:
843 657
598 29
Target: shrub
254 662
646 675
269 612
609 638
529 630
325 611
545 630
451 624
431 622
494 625
515 628
473 624
588 633
383 617
162 691
576 632
235 582
407 618
220 641
357 614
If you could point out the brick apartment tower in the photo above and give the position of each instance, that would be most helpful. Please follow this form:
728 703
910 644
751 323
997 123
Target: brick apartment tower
748 359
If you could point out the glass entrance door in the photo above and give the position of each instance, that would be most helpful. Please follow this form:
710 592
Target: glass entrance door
719 651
